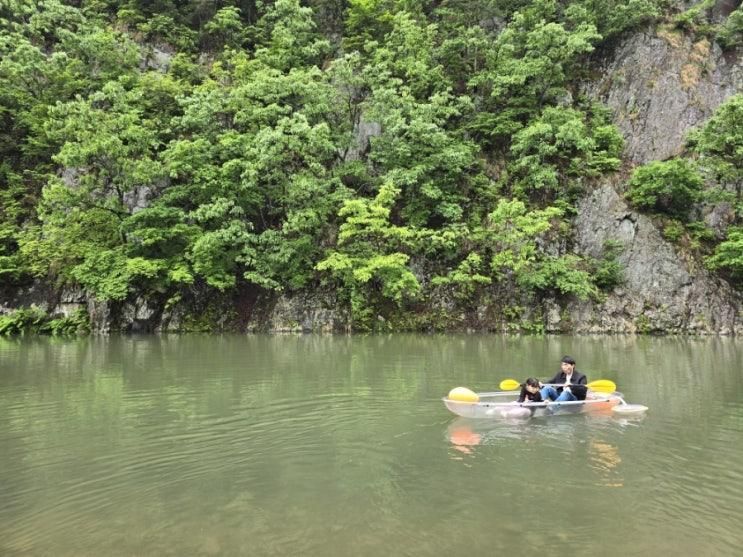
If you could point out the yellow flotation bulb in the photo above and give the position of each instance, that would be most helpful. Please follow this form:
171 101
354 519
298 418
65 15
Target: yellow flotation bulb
463 394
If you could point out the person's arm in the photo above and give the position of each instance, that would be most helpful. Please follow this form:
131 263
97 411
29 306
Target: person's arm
579 389
554 381
522 395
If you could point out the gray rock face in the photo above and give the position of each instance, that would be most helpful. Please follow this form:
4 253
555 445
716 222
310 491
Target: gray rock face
660 86
661 291
363 133
722 9
157 58
138 198
39 294
101 316
317 313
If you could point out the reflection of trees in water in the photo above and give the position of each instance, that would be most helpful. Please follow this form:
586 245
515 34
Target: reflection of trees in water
674 372
580 435
605 460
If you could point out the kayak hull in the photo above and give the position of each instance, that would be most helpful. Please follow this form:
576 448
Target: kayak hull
504 405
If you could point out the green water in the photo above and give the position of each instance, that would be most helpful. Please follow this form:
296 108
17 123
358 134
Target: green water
337 446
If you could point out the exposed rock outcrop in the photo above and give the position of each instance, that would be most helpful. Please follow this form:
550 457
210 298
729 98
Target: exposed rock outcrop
660 85
662 291
316 312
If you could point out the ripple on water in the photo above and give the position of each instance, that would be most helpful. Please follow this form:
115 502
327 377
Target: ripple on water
266 461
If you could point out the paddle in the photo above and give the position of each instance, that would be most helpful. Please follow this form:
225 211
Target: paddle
600 385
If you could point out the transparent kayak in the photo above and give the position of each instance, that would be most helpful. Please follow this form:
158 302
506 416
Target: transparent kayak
503 404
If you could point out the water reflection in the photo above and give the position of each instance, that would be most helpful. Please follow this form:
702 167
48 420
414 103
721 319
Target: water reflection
604 458
587 435
318 445
463 438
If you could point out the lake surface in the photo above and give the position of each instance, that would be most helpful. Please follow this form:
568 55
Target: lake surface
339 446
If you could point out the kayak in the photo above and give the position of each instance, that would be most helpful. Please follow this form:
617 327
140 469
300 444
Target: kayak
504 404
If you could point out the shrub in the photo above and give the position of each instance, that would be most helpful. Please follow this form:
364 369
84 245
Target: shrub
33 320
728 255
609 272
22 321
673 230
75 324
670 187
730 33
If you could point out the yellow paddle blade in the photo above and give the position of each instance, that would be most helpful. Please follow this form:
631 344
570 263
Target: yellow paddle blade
602 386
509 385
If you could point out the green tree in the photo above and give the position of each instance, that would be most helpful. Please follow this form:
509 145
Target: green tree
370 261
666 186
728 255
514 234
226 28
527 69
556 149
719 144
730 33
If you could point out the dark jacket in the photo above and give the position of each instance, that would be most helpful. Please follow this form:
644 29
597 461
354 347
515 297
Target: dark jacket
577 383
536 397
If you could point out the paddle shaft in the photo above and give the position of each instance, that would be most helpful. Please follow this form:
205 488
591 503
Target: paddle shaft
600 385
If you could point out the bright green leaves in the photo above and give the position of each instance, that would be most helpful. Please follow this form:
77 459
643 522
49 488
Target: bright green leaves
560 274
514 234
226 29
111 274
289 37
408 53
730 33
528 69
612 17
728 255
366 21
252 165
666 186
215 254
370 252
512 231
560 147
432 165
429 158
466 279
108 137
159 232
719 143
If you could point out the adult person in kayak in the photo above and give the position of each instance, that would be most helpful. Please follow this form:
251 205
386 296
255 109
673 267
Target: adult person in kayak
568 384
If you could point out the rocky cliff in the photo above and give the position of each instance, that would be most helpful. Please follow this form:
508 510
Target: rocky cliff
659 84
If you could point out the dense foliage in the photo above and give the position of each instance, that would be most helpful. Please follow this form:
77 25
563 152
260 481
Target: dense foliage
671 186
384 149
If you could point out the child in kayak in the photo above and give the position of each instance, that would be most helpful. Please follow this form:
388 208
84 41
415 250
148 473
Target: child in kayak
530 391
